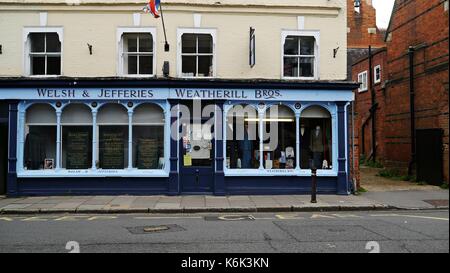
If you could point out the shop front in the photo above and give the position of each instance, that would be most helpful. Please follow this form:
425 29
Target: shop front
176 137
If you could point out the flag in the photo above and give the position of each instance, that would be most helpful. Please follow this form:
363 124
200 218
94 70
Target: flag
153 7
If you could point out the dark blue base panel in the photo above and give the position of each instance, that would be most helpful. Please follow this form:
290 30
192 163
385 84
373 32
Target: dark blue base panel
160 186
93 186
278 185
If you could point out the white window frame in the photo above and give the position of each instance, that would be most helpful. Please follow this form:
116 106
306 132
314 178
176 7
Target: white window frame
93 171
377 68
180 32
308 33
134 30
297 171
27 48
363 85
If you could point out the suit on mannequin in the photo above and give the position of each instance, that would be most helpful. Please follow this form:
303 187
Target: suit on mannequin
316 146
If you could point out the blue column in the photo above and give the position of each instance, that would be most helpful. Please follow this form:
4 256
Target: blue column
174 176
219 177
342 183
11 183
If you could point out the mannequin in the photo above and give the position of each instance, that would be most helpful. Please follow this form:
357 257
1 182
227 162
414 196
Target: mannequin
246 147
316 146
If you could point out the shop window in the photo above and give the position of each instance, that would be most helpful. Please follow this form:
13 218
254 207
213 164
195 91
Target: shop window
279 138
76 131
197 55
137 54
362 79
148 137
40 137
299 57
112 120
377 74
315 138
44 53
242 142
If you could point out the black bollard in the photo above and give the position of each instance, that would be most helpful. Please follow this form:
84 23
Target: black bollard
314 185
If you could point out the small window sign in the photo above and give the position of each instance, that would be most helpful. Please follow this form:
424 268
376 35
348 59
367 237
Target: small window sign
252 55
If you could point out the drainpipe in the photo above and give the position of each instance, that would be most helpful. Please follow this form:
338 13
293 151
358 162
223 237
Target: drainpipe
412 109
373 108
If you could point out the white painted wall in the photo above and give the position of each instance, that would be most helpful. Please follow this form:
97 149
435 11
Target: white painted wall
96 22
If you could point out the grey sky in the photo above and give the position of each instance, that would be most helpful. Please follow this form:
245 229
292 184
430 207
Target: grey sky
384 10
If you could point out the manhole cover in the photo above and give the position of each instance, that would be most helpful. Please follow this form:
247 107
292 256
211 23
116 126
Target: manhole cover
154 229
437 202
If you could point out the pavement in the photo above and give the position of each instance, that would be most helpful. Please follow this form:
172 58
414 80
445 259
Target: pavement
184 204
436 199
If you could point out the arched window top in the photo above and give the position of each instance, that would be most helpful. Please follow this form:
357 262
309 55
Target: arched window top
148 114
112 113
76 113
242 110
280 112
315 111
41 113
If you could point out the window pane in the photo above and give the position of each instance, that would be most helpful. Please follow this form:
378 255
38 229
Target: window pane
307 45
112 113
242 141
40 147
37 42
145 43
129 43
315 139
145 65
37 65
291 67
307 67
113 147
205 44
189 66
53 43
291 45
205 66
77 147
53 65
188 43
279 138
132 64
148 147
197 144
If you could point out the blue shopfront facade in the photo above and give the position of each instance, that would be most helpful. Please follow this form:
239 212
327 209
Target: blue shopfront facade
127 136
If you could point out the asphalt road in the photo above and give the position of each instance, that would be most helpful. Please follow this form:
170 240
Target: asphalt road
389 231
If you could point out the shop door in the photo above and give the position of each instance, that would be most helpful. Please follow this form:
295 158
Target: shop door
429 156
3 157
196 157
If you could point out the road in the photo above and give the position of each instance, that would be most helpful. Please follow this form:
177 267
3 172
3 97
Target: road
386 231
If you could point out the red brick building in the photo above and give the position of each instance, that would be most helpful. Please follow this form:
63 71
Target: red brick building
362 31
412 98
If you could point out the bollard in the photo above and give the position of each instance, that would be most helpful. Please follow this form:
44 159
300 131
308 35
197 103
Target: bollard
314 185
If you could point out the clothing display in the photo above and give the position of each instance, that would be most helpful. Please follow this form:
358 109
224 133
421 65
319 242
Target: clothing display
316 144
34 151
246 148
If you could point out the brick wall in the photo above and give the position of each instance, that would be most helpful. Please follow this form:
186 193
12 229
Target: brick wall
363 104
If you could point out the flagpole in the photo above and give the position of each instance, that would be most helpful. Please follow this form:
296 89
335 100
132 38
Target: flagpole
166 45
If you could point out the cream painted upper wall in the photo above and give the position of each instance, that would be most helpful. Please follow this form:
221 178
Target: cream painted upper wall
97 24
